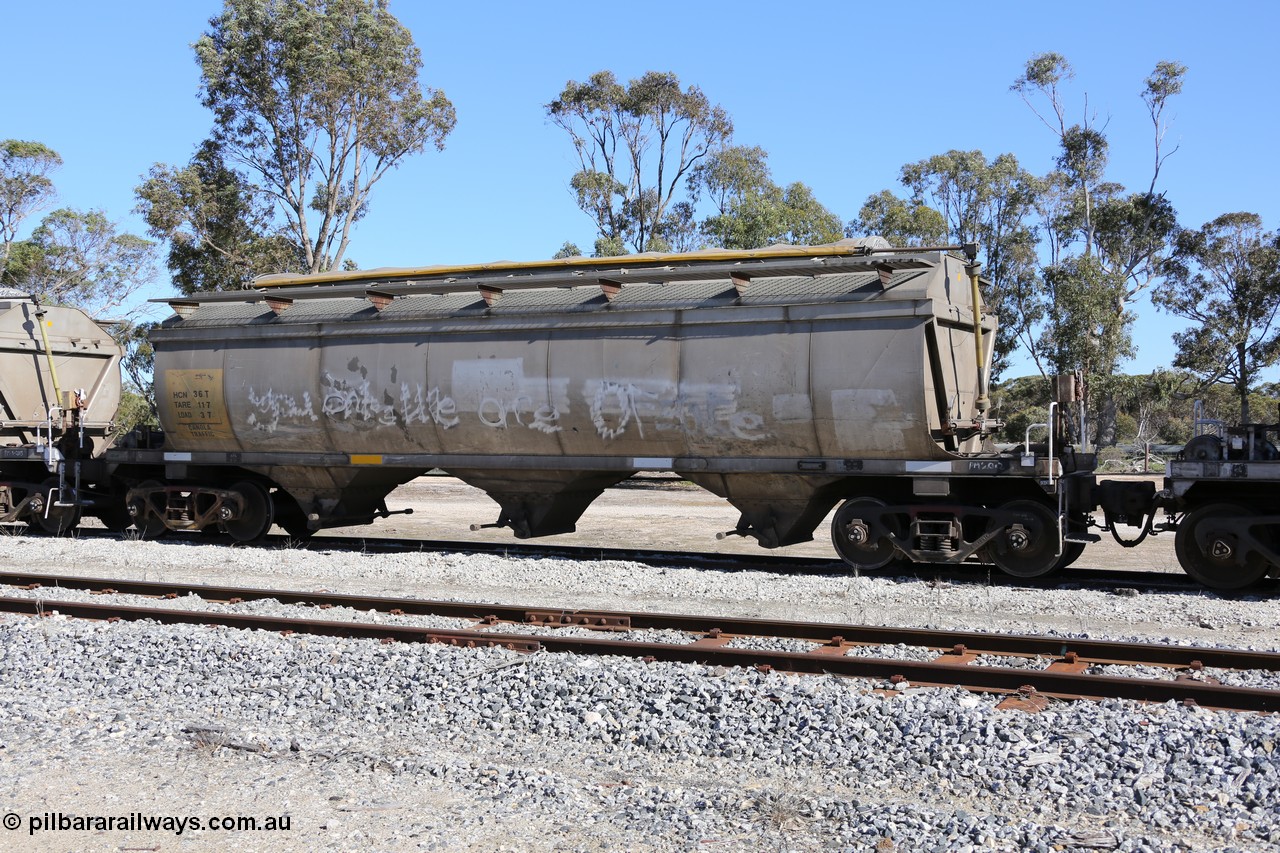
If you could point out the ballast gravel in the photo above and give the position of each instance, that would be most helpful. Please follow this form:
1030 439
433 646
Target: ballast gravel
406 747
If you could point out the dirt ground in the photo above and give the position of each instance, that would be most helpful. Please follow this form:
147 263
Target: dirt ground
660 513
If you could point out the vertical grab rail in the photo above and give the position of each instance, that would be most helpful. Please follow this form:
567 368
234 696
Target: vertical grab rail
1026 441
1053 478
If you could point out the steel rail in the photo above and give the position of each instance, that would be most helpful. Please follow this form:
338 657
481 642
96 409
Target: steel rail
976 642
1065 685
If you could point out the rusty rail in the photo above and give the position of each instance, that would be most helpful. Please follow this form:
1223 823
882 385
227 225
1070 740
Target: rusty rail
1093 651
1064 678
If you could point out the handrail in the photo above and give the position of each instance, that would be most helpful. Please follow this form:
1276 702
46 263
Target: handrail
1026 441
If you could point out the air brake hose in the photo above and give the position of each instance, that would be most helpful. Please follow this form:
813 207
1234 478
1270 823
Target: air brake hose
1130 543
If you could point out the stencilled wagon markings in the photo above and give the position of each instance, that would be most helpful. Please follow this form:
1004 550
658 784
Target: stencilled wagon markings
195 401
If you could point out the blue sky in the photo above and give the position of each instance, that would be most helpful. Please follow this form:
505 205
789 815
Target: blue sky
841 95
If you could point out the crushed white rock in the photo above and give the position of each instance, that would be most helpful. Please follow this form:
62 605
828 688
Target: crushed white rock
402 747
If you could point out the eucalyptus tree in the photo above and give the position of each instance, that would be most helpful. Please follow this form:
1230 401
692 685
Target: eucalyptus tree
636 144
1127 234
750 210
316 100
82 259
774 214
903 222
25 187
1225 278
1107 245
220 233
962 197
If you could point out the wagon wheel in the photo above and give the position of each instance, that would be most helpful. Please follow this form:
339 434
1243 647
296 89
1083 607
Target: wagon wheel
290 516
1027 546
1072 551
863 542
51 519
115 518
1209 549
150 526
256 517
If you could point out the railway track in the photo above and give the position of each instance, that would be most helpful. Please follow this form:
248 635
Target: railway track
1033 668
1074 577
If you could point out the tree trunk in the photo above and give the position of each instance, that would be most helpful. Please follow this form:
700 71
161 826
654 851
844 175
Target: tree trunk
1243 384
1107 423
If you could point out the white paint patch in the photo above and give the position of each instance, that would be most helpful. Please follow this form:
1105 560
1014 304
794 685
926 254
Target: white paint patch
928 467
792 408
486 379
497 390
177 457
660 462
870 419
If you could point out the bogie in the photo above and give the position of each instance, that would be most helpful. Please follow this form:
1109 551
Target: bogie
1223 546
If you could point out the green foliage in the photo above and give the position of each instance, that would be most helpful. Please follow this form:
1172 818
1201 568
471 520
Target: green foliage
1105 245
80 259
1043 71
751 210
1082 156
900 221
138 402
609 247
219 232
1225 279
25 187
774 215
139 355
730 175
1086 337
1154 408
136 409
636 144
319 99
1019 403
568 250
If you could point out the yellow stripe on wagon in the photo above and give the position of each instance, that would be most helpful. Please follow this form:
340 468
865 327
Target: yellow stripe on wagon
365 458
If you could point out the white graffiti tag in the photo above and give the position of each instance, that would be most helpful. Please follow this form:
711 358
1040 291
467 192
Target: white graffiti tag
271 407
693 410
494 413
354 401
615 405
435 407
357 401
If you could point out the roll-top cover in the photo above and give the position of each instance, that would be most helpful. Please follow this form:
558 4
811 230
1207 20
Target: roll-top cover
860 357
